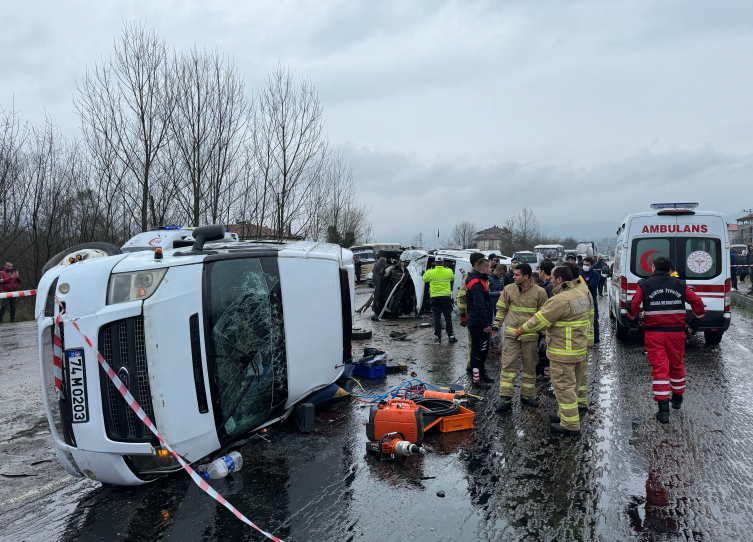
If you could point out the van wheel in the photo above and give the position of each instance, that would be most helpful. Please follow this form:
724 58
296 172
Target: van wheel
622 331
611 313
103 249
359 334
713 337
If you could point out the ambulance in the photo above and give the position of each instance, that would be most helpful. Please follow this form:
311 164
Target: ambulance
696 241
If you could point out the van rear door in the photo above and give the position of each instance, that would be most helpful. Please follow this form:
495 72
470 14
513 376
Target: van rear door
695 243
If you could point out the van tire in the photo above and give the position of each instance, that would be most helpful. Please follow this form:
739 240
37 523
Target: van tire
57 259
713 337
622 331
359 334
611 313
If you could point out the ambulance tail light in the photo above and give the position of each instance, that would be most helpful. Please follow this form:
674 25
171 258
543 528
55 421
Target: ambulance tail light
727 294
623 291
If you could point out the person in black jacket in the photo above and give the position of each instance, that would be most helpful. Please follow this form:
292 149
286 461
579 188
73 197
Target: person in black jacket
509 277
602 267
479 307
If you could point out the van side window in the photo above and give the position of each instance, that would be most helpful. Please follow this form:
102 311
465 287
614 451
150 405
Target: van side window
698 257
645 251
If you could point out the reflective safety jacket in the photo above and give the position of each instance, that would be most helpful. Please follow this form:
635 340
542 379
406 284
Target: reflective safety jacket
565 318
581 286
663 297
440 281
460 298
516 306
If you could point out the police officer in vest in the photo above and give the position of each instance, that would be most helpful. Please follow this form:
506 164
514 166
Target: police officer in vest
663 297
440 289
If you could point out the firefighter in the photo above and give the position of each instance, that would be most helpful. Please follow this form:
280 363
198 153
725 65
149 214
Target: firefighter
479 307
565 317
440 289
462 307
663 297
517 303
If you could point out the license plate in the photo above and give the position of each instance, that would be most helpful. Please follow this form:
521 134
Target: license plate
77 386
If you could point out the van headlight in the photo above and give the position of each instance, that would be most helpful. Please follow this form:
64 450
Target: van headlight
125 287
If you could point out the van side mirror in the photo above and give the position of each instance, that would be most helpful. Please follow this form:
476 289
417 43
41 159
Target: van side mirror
201 235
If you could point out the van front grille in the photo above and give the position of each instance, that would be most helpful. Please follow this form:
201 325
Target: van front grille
122 345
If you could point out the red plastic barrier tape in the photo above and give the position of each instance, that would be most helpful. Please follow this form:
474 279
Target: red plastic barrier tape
23 293
198 480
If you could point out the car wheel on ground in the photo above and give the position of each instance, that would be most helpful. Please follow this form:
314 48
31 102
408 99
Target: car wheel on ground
360 334
92 250
713 337
622 331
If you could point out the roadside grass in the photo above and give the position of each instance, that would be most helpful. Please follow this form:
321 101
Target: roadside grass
24 310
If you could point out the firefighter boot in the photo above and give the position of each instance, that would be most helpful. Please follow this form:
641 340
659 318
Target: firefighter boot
557 428
504 403
528 401
485 377
663 414
676 401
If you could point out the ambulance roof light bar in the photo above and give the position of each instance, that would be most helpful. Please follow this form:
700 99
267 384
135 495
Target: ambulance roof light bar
658 206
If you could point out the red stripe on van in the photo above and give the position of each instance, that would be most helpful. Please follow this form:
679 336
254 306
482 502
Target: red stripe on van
632 286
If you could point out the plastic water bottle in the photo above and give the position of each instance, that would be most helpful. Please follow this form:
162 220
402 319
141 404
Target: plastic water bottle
221 467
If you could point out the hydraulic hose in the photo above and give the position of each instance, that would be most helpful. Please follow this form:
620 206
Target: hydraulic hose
437 407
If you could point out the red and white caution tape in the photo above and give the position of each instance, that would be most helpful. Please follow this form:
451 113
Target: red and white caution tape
23 293
57 354
198 480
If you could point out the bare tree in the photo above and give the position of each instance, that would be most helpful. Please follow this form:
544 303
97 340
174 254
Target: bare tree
292 150
208 129
464 235
130 98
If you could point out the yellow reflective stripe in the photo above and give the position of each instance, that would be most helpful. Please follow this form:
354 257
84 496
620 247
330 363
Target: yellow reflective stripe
544 320
501 303
566 352
524 385
583 388
529 375
579 323
569 338
522 309
513 330
510 375
440 294
570 418
569 405
505 384
581 399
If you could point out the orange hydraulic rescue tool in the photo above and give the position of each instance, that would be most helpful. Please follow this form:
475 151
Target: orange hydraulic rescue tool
396 416
395 427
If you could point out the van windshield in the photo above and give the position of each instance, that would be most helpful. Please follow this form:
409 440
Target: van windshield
366 255
245 337
695 258
526 258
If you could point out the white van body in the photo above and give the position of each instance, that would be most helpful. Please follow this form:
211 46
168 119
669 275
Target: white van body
697 243
165 238
229 340
531 258
557 252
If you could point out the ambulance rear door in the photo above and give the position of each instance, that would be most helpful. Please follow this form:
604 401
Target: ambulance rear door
701 255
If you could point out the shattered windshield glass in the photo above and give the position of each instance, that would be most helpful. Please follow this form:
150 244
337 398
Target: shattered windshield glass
246 342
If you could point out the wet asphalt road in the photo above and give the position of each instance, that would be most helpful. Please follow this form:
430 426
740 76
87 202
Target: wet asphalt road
626 478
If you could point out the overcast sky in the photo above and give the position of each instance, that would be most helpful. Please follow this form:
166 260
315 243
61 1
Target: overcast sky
450 111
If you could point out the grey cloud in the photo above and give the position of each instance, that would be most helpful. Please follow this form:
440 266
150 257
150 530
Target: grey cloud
408 197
